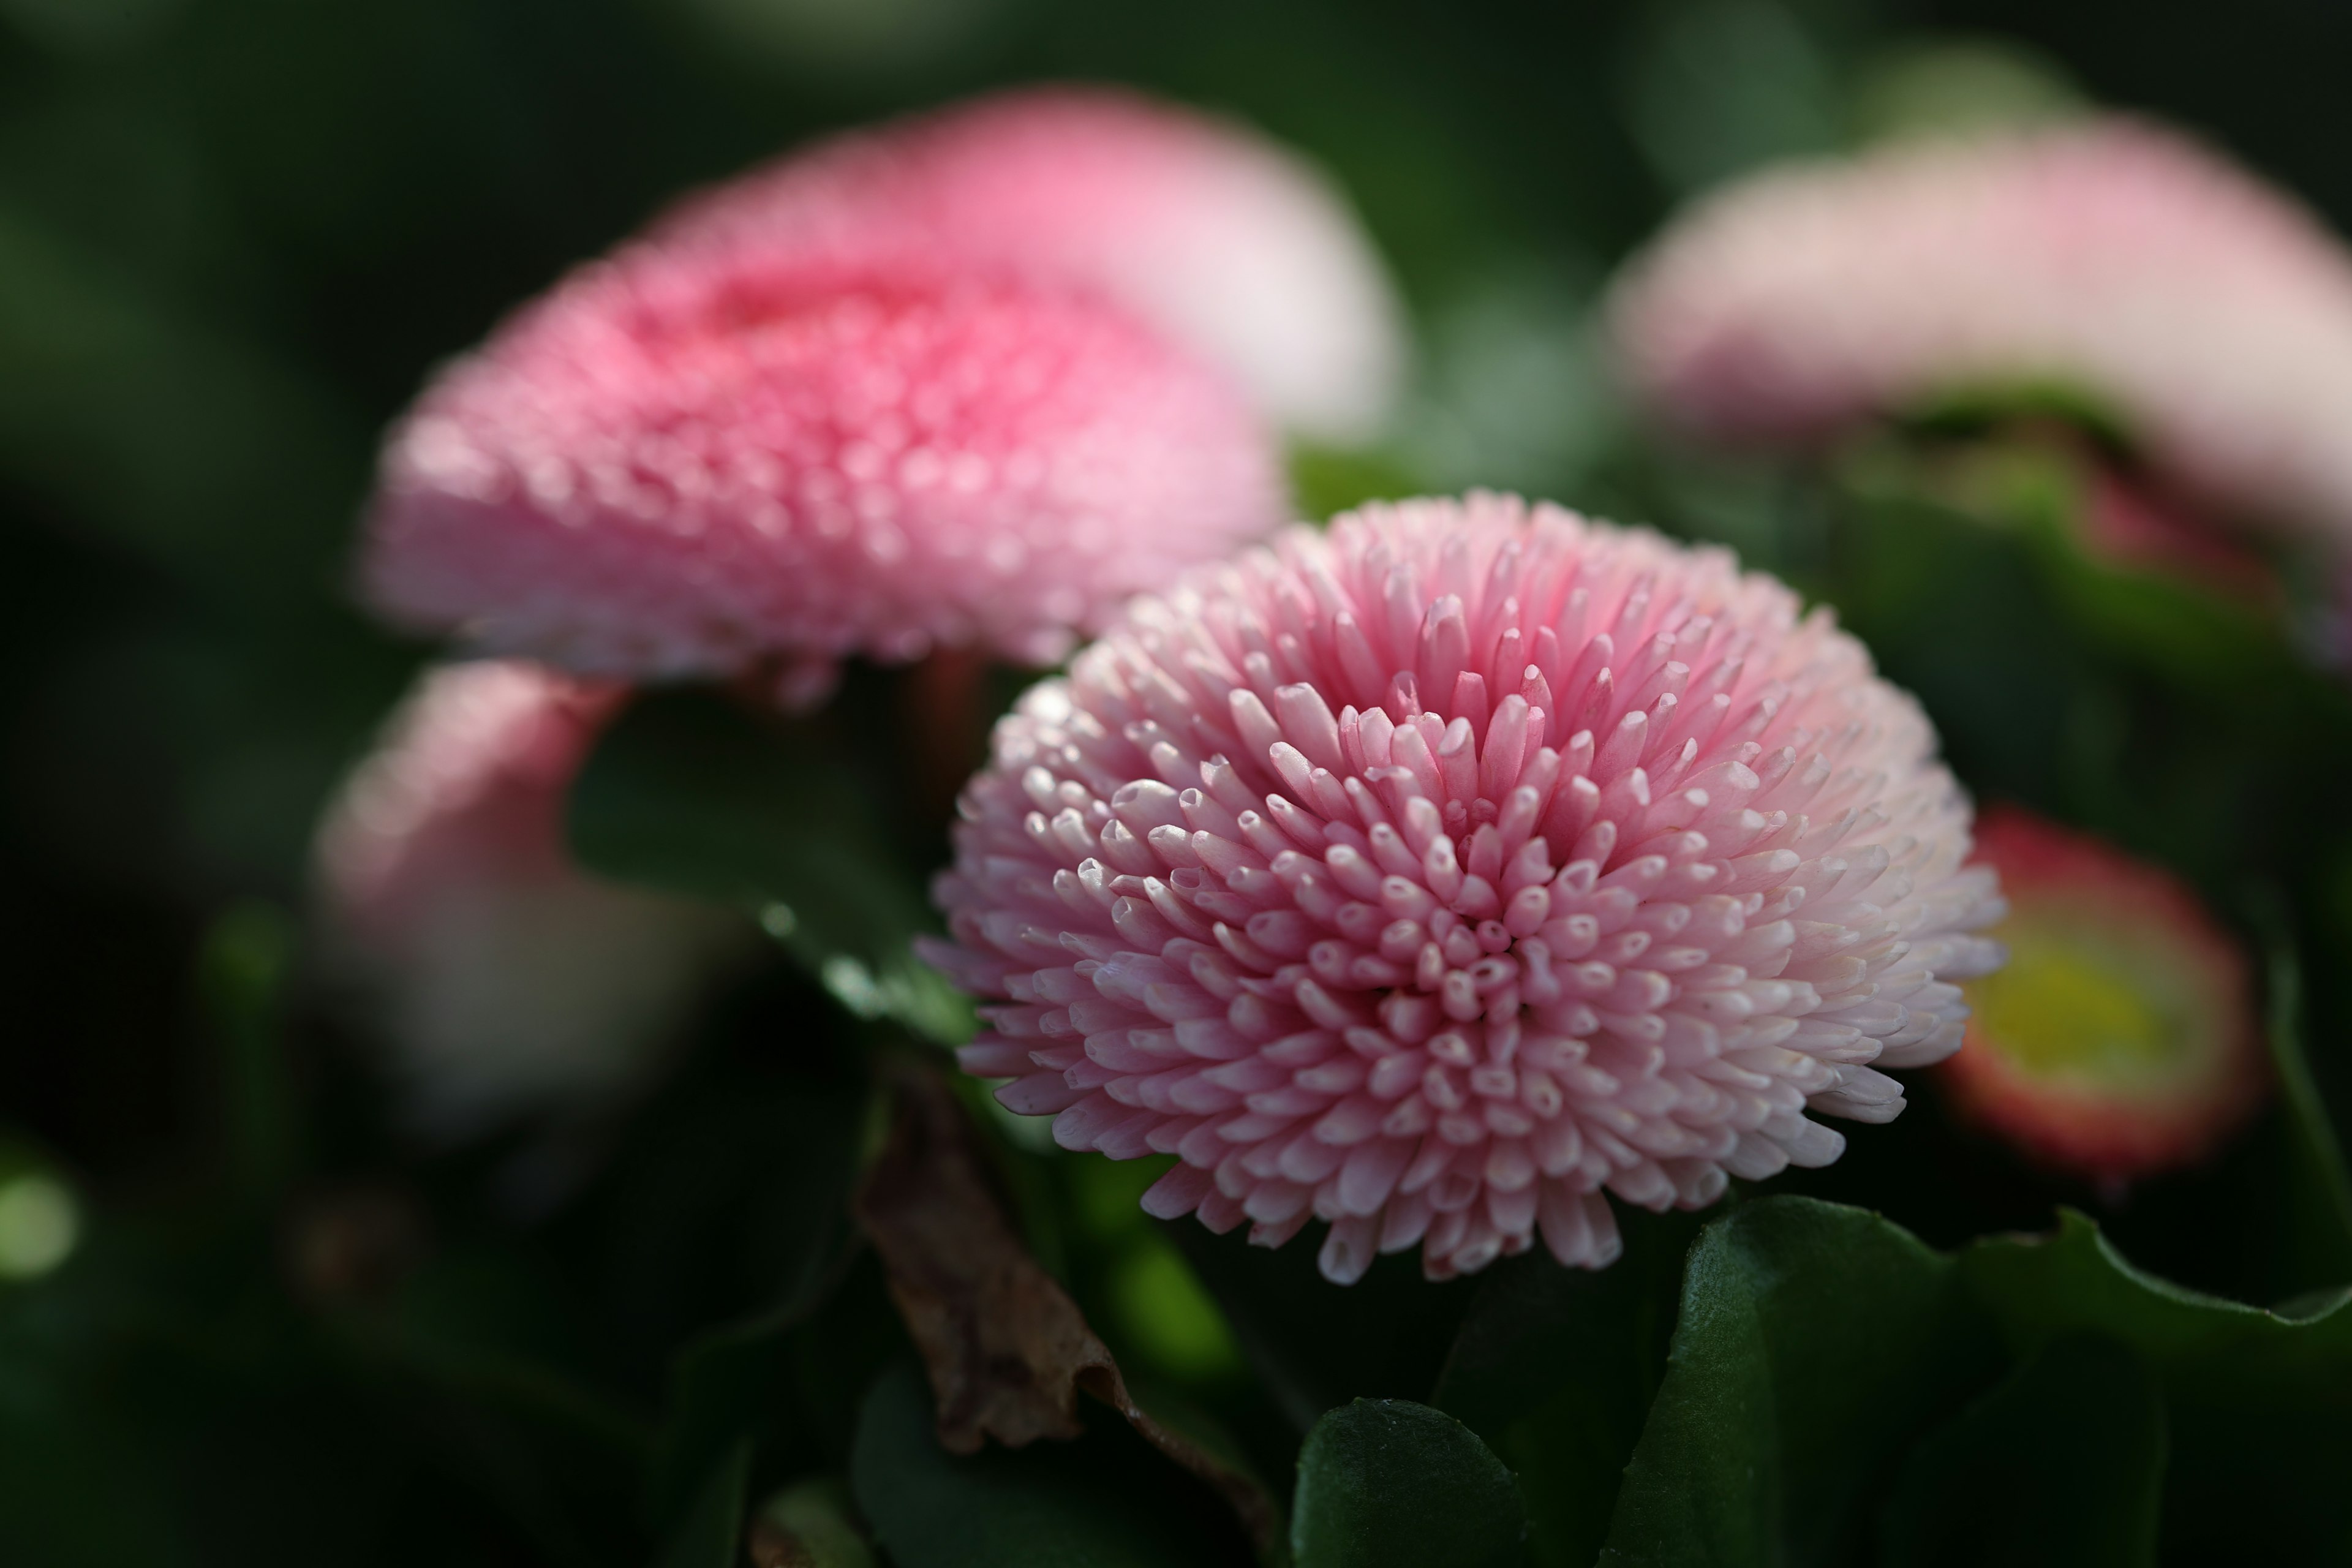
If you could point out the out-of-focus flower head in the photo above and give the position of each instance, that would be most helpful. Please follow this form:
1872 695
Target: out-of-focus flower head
2210 313
1429 875
694 459
2121 1038
502 978
1220 237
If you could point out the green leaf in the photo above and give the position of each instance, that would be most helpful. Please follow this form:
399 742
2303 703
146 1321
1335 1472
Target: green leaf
712 1534
695 793
1556 1369
2062 1463
1386 1482
2260 1402
1815 1341
2038 1288
1049 1505
2164 620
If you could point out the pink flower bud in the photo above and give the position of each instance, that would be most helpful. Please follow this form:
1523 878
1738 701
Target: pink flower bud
502 978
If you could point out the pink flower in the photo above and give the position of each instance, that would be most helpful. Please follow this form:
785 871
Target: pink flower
505 979
692 459
1216 236
2122 1038
1430 876
2209 312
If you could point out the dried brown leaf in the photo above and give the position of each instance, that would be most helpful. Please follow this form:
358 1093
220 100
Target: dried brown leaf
1006 1347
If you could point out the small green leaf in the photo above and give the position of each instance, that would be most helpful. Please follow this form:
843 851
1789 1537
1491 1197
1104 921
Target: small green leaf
1556 1369
1049 1505
1815 1341
696 795
1385 1483
2062 1463
712 1534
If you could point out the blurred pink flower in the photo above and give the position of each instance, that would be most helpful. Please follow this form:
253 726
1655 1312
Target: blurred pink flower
2122 1038
2211 313
1218 236
690 461
1429 875
502 977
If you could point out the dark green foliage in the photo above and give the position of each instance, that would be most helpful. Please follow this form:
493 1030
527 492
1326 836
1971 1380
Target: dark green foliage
1315 1344
1813 1343
1386 1482
2061 1463
705 797
1556 1369
709 1534
2259 1404
1105 1502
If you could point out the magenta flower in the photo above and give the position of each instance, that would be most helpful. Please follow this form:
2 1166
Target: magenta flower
2209 312
1431 876
693 458
505 979
1219 237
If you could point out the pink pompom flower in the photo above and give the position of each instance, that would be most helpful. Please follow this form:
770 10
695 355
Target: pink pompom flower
1218 236
1430 876
2121 1040
503 978
692 460
2210 313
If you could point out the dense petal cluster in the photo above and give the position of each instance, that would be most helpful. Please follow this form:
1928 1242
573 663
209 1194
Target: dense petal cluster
505 978
2121 1040
1431 875
690 461
1219 237
2208 311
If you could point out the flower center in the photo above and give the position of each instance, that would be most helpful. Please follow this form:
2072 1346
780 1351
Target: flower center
2076 1002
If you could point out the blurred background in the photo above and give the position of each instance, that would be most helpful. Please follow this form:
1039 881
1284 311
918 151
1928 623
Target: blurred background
235 237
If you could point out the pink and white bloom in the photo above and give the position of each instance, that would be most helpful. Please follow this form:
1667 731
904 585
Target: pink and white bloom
1431 876
1223 240
502 978
688 461
2209 312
